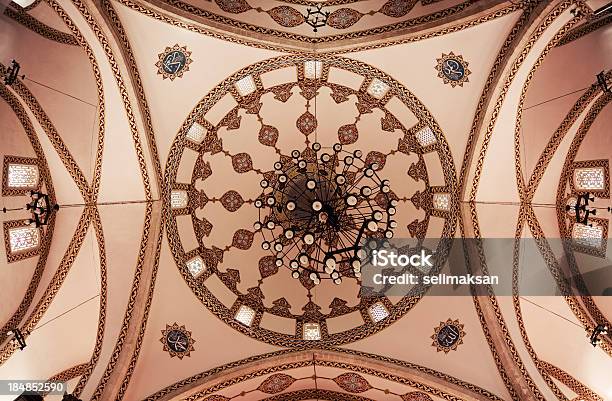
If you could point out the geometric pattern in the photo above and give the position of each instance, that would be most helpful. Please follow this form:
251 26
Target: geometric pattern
250 157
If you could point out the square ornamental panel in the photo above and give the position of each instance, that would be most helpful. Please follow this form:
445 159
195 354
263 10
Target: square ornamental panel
245 315
590 178
313 69
22 239
378 312
196 133
22 176
378 88
178 199
246 85
19 175
312 331
196 266
426 137
441 201
590 237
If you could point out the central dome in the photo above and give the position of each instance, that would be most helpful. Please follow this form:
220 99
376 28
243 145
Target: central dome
284 189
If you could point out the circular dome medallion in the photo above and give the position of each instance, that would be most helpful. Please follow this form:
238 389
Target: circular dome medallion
243 138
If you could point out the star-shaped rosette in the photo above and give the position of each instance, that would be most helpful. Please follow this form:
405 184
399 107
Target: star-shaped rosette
448 336
453 69
177 341
173 62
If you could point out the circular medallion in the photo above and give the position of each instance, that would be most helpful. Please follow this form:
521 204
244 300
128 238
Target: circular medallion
453 69
173 62
271 169
448 336
177 341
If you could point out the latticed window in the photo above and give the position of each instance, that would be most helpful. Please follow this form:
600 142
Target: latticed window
378 312
313 69
196 133
378 88
312 331
178 199
441 201
196 266
22 175
589 178
246 85
23 239
591 237
426 137
245 315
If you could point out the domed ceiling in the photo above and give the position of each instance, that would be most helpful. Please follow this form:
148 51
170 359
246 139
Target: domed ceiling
351 102
201 151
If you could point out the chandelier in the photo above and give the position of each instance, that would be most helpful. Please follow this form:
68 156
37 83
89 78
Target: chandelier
40 207
318 208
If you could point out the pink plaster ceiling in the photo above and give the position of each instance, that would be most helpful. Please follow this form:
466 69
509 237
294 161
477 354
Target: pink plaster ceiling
128 253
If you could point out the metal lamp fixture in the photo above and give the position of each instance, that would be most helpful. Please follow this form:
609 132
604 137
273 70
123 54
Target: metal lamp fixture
41 209
319 208
597 332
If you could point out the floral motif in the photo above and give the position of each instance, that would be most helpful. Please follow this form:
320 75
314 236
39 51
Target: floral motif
418 228
286 16
282 92
397 8
306 123
376 157
343 18
267 267
268 135
416 396
276 383
243 239
390 123
348 134
233 6
453 69
418 170
231 120
232 201
242 163
352 382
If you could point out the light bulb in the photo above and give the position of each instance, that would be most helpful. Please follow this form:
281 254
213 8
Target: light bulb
308 239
